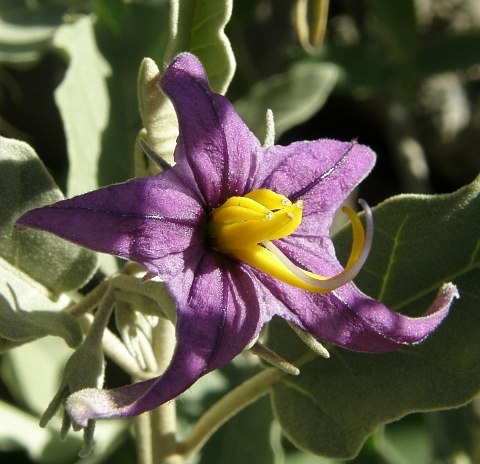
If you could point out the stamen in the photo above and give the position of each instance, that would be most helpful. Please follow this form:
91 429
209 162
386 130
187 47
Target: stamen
269 199
310 341
239 209
244 228
273 358
234 213
361 245
242 233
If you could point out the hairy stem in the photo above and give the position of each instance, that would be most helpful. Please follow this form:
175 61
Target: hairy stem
116 351
89 301
163 418
233 402
143 438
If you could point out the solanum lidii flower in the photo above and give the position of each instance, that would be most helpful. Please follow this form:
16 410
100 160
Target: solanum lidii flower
239 233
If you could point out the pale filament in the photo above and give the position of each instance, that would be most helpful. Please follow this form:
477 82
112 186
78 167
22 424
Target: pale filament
349 273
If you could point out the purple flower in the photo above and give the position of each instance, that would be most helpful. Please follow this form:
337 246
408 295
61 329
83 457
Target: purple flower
239 233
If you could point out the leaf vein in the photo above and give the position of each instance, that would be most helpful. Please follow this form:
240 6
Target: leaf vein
391 261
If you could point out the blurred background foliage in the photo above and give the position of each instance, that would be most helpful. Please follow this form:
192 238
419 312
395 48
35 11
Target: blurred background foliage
402 76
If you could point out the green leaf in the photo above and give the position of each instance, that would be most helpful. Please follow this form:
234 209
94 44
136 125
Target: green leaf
31 373
43 317
20 430
294 97
420 243
246 436
26 31
35 267
20 367
97 98
363 68
198 26
25 184
83 101
125 33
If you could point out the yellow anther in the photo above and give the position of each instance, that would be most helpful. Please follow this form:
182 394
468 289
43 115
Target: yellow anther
231 214
239 209
247 229
269 199
244 227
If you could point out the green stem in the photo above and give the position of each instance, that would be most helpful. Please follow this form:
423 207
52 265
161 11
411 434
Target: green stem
89 301
116 351
163 418
143 439
233 402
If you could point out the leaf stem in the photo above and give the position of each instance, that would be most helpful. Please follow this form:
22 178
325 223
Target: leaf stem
89 301
227 407
163 418
143 439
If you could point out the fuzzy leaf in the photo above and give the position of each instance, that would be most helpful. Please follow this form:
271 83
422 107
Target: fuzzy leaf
97 98
35 267
125 33
197 26
294 97
82 99
20 368
20 430
421 242
43 317
26 30
25 184
31 374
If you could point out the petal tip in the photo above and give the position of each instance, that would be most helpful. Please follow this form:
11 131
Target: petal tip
28 220
441 305
185 62
78 407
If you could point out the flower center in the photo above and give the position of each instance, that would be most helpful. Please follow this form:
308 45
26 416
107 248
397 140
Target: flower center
244 227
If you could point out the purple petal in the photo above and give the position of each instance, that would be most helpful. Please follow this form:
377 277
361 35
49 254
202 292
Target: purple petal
348 318
321 173
220 317
312 253
147 220
215 148
329 173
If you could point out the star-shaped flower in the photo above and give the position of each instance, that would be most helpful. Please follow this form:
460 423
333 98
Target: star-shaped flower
239 233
